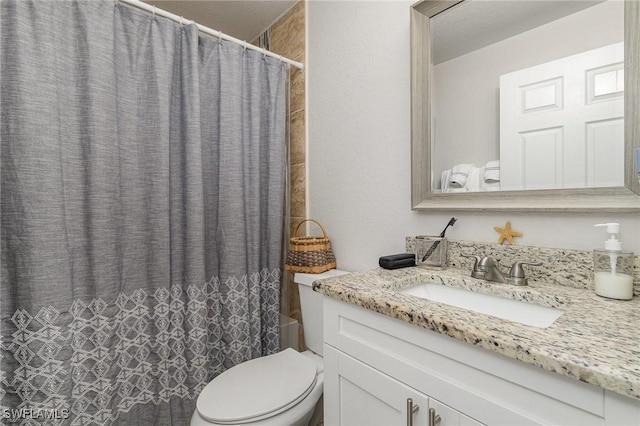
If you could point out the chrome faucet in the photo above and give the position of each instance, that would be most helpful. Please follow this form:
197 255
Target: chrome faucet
487 268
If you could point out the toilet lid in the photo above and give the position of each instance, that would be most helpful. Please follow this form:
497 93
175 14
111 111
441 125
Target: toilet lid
258 389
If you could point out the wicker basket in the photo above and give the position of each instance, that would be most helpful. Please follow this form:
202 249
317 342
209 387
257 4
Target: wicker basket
310 254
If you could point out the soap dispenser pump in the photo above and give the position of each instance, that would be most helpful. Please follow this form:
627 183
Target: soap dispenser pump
613 267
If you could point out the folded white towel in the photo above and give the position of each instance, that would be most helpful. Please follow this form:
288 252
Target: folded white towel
492 171
460 174
472 183
488 185
446 183
444 180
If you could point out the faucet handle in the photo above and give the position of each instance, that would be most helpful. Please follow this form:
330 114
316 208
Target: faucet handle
473 256
476 272
516 273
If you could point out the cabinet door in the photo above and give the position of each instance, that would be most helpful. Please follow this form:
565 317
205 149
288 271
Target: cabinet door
361 395
451 417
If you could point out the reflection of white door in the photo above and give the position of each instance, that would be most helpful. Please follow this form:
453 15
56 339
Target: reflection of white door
562 122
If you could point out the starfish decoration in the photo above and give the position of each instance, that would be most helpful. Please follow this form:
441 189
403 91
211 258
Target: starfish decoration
507 233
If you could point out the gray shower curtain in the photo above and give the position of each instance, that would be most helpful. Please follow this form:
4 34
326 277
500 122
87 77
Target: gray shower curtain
143 176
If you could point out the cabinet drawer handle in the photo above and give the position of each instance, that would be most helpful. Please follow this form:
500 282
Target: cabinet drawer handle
411 410
434 419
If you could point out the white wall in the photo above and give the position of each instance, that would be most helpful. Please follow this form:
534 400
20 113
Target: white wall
477 100
359 138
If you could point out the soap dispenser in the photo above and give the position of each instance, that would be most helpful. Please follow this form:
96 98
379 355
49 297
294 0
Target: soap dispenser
612 267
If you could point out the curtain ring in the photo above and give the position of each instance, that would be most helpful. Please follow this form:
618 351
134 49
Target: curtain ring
154 12
220 36
244 45
181 21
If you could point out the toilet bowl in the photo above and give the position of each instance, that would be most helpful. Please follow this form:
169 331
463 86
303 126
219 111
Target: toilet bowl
280 389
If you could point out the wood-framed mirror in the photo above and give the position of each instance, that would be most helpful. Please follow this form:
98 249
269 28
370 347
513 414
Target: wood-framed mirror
428 192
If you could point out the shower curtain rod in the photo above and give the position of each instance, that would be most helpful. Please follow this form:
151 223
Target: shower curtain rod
160 12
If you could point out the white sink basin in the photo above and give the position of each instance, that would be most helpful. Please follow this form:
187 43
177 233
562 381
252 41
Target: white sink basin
509 309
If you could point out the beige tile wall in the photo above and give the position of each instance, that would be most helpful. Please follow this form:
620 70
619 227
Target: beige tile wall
287 38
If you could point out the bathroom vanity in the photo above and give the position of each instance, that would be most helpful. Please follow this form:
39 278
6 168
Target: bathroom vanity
387 352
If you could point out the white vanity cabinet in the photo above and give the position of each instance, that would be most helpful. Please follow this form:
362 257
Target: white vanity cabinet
374 363
369 397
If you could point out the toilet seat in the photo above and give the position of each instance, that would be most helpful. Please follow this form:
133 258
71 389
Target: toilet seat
258 389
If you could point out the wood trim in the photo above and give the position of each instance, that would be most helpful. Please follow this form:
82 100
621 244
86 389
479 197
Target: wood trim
420 53
632 89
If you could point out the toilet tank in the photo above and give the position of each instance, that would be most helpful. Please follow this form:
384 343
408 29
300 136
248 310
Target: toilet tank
311 307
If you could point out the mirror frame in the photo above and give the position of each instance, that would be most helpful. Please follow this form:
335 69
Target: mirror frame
615 199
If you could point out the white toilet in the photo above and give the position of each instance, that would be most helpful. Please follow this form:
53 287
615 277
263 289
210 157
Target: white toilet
281 389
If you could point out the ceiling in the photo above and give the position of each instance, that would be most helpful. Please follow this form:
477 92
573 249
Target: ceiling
242 19
474 24
468 26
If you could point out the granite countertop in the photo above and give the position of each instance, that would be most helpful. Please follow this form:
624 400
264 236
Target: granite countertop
596 340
